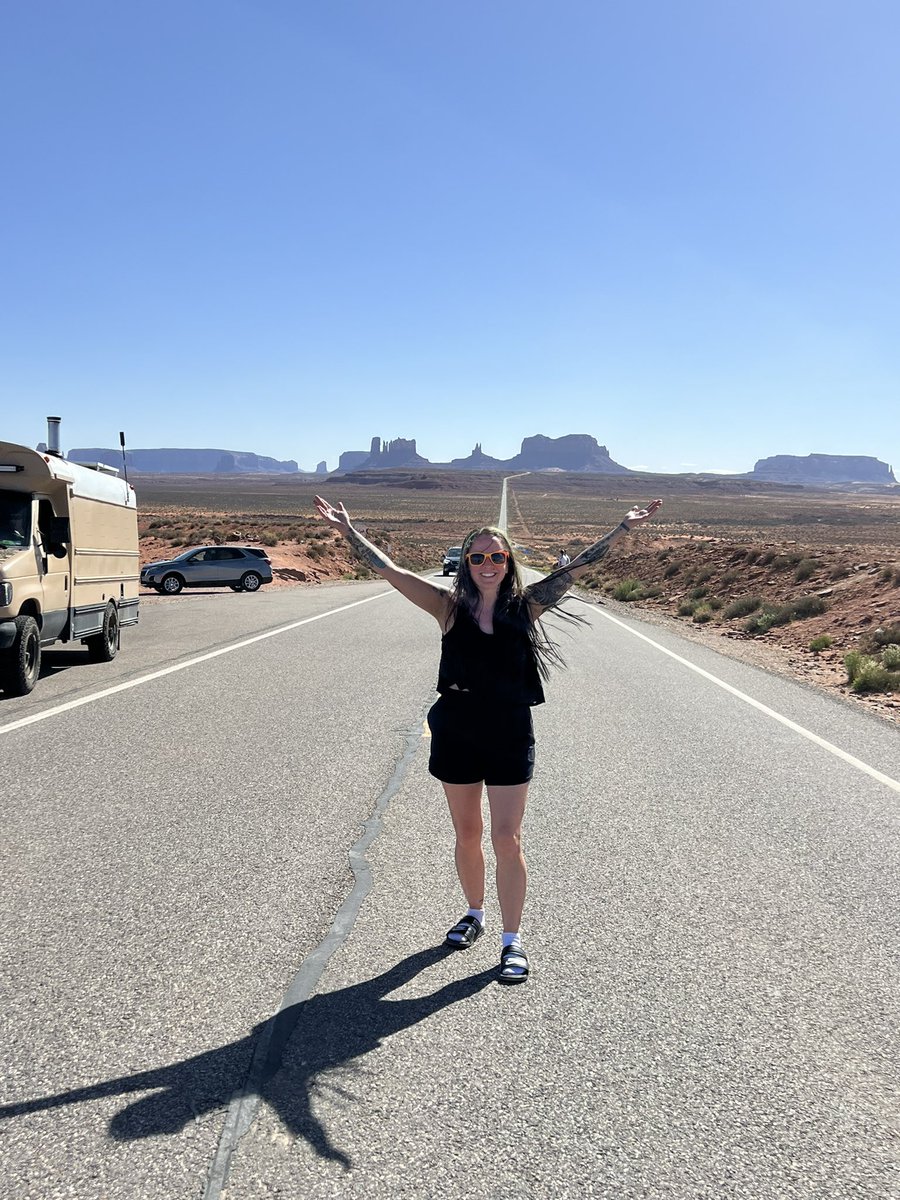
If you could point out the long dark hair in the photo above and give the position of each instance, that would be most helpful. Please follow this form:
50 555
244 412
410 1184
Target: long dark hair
511 609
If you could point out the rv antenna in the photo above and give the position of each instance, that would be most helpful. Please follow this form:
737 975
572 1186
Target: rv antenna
124 459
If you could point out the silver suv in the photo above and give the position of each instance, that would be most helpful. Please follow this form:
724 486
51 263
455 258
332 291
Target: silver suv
451 559
242 568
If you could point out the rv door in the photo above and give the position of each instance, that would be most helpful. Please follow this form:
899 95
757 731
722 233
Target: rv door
55 564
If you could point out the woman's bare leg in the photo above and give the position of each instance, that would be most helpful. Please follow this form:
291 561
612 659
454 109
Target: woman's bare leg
507 811
464 800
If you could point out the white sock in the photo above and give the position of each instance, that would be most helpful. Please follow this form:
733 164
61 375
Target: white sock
510 939
477 913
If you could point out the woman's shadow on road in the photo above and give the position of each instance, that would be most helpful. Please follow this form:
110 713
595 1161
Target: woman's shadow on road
287 1058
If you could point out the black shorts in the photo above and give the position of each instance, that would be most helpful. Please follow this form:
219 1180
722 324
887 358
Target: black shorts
474 742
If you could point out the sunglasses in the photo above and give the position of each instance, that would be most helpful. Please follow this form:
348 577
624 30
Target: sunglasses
498 558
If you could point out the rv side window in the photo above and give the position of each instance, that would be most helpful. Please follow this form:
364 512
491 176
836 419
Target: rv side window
45 521
15 520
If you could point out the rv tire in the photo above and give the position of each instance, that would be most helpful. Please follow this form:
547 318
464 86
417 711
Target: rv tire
21 664
104 646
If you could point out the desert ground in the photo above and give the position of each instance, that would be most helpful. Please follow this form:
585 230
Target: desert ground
790 578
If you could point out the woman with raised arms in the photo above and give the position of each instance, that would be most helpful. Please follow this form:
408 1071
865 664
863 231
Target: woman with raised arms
494 655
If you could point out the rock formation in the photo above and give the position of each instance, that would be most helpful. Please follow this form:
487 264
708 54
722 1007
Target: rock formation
477 461
574 452
351 460
186 462
401 452
322 468
823 469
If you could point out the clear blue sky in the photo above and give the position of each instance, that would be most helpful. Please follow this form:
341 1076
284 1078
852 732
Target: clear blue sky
286 226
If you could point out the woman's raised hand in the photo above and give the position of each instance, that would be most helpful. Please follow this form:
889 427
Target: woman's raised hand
339 517
635 515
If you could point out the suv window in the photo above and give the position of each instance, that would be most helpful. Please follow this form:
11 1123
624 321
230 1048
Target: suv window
229 552
258 553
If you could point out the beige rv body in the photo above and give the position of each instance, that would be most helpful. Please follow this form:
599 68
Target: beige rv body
69 558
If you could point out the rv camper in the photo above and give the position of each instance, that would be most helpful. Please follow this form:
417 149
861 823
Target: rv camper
69 559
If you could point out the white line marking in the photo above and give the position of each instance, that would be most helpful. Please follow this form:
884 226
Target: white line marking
123 687
770 712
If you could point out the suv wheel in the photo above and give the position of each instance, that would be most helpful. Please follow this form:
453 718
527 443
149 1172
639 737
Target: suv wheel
251 582
171 585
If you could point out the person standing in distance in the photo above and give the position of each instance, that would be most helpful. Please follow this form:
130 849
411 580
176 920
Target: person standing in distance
494 655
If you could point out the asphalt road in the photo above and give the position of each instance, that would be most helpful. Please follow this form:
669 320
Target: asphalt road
227 878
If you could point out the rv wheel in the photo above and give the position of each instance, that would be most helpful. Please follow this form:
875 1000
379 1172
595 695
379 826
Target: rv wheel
22 662
104 646
172 585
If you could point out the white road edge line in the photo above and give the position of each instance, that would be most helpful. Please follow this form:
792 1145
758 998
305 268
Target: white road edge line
191 662
770 712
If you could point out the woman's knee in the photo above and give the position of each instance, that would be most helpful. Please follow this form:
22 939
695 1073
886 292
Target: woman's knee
507 843
468 833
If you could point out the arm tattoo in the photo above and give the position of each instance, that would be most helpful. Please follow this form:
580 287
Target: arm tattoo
549 591
600 549
366 551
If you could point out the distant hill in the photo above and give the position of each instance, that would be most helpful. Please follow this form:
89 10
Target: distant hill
823 469
186 462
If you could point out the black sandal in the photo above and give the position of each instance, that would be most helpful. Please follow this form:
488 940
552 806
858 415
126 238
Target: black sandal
465 933
513 965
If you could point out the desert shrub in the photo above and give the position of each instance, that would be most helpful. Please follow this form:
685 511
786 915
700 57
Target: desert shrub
783 614
686 608
886 574
628 589
731 576
697 593
653 591
869 675
739 553
741 607
752 556
268 538
762 621
887 635
853 660
806 606
890 657
781 561
822 642
702 614
662 555
672 569
765 557
805 567
715 603
838 572
706 573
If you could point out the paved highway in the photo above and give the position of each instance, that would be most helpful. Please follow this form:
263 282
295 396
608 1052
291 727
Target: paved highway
226 872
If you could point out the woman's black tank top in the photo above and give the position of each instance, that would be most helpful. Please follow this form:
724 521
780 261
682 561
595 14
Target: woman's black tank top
498 666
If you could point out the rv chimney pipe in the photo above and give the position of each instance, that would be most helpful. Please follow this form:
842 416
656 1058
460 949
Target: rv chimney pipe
53 436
